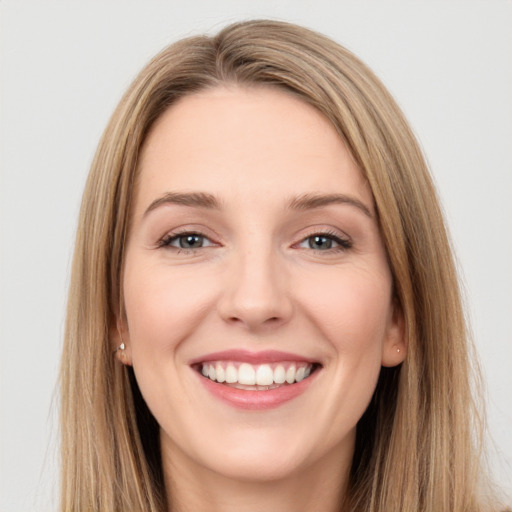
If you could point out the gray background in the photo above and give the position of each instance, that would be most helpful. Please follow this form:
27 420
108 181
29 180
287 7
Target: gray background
64 66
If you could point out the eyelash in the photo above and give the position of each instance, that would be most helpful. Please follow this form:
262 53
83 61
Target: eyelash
167 240
343 244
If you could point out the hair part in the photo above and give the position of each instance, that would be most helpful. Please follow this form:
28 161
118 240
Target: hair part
418 443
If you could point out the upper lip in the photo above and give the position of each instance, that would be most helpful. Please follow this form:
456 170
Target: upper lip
247 356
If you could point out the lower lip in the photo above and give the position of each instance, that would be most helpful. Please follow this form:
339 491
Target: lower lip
257 400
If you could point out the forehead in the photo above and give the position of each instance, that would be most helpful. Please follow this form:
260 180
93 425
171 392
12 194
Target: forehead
257 143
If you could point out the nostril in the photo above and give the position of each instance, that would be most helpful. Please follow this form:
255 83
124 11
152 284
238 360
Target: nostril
271 320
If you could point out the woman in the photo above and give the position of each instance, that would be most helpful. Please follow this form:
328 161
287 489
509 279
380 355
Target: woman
264 309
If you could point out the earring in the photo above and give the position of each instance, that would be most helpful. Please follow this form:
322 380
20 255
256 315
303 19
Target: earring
398 350
122 354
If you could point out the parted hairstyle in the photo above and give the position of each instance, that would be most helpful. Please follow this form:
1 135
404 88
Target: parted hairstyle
418 445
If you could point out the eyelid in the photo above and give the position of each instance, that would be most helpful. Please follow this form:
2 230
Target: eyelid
344 242
170 236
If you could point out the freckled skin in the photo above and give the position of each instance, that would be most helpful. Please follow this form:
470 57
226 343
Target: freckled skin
255 283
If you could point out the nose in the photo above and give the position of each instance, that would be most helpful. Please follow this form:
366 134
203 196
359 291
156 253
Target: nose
255 293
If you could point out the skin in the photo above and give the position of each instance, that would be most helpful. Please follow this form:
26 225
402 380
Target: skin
255 284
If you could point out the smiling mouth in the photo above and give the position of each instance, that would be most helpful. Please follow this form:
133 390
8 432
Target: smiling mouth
256 377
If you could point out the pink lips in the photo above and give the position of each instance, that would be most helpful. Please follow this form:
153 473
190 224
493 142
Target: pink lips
254 399
245 356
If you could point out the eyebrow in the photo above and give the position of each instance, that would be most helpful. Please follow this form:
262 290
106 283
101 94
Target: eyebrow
197 199
307 201
312 201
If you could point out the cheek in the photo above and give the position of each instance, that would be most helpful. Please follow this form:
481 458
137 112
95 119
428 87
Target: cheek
163 309
351 308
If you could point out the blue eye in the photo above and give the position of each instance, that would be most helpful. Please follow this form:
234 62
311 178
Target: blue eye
192 241
186 241
320 243
325 242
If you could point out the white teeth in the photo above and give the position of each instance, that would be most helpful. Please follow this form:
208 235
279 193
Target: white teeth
279 375
264 375
246 375
221 374
256 375
290 374
231 374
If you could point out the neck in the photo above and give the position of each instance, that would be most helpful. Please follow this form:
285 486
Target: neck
321 486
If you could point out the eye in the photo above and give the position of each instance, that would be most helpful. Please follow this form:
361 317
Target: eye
325 242
186 241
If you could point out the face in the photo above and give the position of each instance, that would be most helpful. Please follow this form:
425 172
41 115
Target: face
257 293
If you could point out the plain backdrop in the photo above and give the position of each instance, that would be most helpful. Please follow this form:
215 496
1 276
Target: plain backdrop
64 66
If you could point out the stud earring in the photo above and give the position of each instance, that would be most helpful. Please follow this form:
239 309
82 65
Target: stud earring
398 350
122 354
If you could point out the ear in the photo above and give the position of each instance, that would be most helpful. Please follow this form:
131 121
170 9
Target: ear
120 339
394 348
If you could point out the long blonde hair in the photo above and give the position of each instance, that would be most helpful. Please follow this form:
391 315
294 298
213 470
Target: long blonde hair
417 445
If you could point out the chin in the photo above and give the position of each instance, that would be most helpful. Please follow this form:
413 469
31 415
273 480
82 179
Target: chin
263 456
256 466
